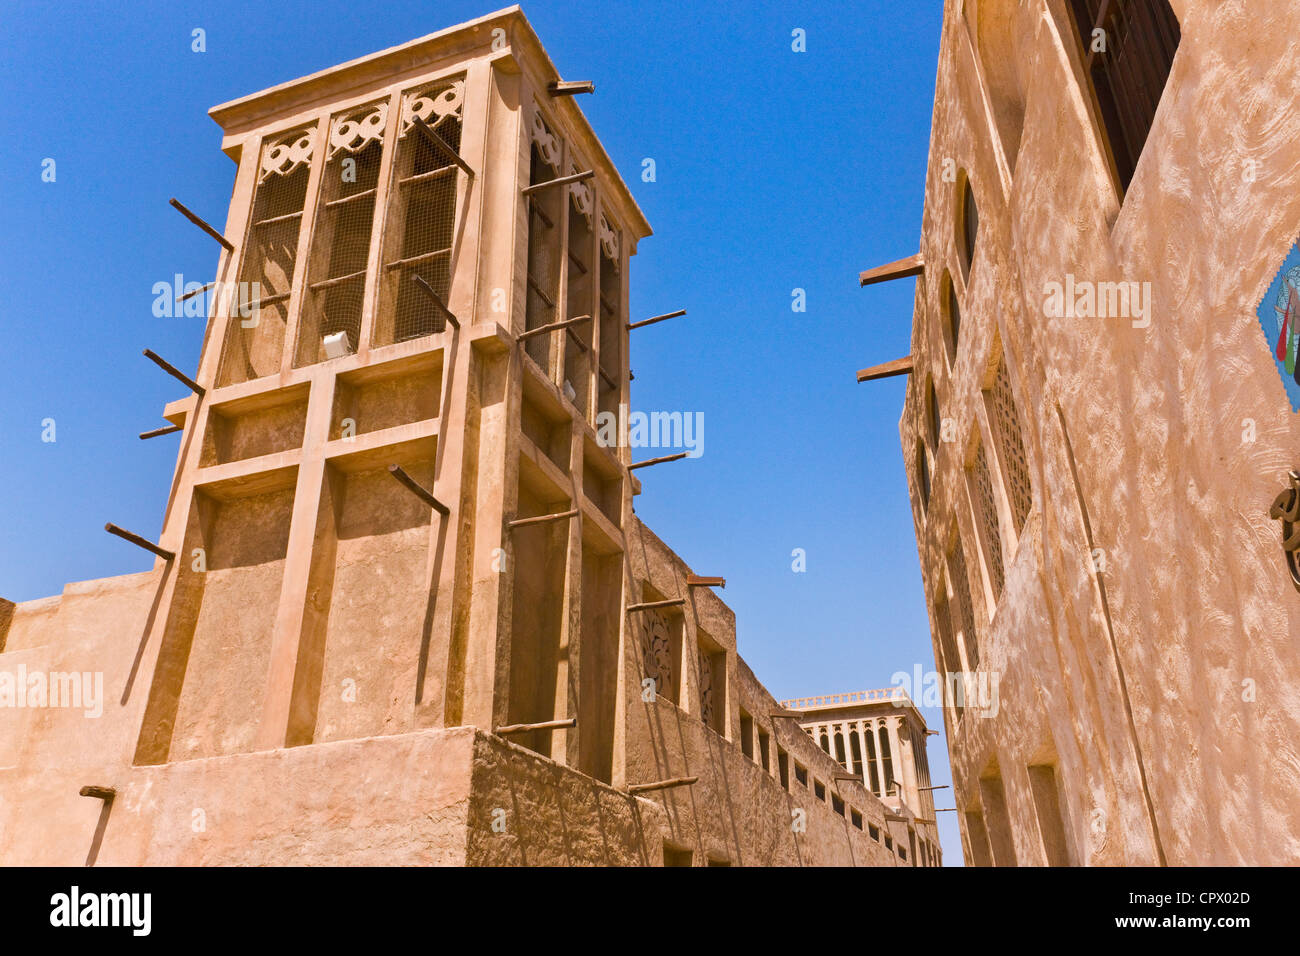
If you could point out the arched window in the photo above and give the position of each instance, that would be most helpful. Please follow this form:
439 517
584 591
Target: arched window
933 420
923 475
886 759
968 224
839 747
870 733
951 316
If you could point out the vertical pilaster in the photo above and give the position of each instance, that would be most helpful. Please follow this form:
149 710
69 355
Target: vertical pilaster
290 615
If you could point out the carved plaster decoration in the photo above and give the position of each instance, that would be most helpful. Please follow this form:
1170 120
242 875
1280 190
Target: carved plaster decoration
356 130
286 155
548 145
435 104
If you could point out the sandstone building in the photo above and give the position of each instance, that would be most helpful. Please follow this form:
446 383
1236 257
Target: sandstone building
879 737
403 611
1099 427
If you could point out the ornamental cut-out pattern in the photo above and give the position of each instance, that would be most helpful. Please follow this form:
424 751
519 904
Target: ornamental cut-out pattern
1011 446
988 511
657 648
706 688
581 192
353 132
282 156
548 145
434 104
609 240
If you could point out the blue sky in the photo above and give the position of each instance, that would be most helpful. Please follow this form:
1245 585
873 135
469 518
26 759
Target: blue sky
776 170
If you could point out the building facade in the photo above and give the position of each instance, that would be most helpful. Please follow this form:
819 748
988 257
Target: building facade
879 737
1100 429
402 610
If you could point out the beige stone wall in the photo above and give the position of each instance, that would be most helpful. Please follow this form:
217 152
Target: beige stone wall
1133 681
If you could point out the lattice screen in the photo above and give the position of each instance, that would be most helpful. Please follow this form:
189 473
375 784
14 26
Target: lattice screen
1011 446
421 226
988 513
965 609
340 249
255 344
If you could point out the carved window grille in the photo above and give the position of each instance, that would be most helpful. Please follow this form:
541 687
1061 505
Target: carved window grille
1011 446
544 211
706 687
987 507
420 232
713 687
965 607
345 215
255 342
661 652
1128 77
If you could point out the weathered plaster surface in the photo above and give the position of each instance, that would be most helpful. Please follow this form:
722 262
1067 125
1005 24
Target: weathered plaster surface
1179 433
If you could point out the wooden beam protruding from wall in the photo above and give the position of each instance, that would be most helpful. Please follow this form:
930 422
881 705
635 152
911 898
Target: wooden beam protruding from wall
911 266
902 366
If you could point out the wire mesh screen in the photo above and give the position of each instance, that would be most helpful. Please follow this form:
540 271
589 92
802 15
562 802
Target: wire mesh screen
1011 445
421 226
255 343
543 257
612 324
988 510
965 609
579 338
340 249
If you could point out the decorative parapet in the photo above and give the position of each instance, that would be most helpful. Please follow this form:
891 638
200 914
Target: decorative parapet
839 700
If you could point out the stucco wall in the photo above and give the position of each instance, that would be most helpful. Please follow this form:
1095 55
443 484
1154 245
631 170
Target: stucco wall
1146 635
